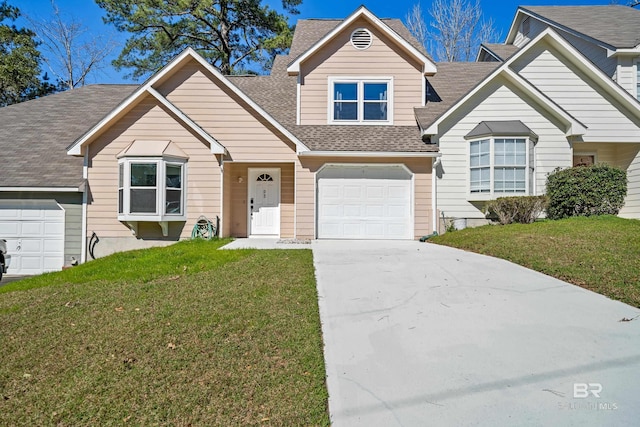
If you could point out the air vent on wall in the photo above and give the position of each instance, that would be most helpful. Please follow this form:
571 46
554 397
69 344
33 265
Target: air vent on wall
361 38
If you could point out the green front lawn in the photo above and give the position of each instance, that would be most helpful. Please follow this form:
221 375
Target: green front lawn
597 253
183 335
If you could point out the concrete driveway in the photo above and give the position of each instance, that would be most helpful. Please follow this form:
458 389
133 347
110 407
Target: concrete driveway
418 334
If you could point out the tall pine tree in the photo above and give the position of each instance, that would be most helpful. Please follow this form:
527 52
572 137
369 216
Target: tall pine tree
233 35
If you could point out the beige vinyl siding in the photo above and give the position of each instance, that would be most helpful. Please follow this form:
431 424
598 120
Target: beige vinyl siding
222 114
573 91
306 195
498 101
236 210
628 156
72 205
536 27
148 121
340 59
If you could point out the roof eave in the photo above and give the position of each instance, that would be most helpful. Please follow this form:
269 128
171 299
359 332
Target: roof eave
371 154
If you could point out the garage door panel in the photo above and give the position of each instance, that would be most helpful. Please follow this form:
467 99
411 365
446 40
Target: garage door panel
31 228
365 202
34 230
9 229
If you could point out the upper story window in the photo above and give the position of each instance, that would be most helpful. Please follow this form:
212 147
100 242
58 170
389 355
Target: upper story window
151 184
360 101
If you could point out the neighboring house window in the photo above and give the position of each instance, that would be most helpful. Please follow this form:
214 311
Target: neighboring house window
360 101
151 189
500 166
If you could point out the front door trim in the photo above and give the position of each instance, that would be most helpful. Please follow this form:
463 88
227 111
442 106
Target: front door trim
253 174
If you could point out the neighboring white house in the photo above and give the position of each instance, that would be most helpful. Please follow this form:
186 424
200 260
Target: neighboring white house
564 92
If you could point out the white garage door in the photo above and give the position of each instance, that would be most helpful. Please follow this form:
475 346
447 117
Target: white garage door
34 230
365 202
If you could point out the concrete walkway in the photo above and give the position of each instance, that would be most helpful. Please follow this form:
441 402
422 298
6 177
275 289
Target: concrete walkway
418 334
265 243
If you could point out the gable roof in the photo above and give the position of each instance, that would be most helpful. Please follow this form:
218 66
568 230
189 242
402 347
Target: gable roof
613 26
428 66
452 81
499 51
148 89
276 94
34 135
573 126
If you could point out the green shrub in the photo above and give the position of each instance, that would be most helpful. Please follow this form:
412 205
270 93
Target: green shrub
586 190
520 209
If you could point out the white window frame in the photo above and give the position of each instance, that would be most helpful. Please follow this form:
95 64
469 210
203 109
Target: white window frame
161 189
492 194
360 80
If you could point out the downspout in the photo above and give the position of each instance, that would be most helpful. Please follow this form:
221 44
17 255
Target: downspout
85 176
434 192
434 200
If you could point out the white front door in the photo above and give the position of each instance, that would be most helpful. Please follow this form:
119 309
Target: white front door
264 202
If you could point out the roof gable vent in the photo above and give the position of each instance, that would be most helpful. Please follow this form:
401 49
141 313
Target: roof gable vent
361 38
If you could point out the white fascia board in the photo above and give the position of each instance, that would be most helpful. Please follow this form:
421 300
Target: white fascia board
300 146
559 42
216 147
369 154
513 29
633 51
489 51
428 66
574 126
76 148
44 189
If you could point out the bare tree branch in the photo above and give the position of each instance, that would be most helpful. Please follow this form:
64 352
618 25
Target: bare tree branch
69 52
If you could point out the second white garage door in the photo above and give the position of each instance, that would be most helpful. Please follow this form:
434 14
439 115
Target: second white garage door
365 202
34 230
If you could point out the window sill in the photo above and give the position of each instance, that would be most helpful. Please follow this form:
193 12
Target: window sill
485 197
354 123
132 221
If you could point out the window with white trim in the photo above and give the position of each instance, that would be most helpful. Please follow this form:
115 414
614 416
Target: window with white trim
151 189
500 166
360 101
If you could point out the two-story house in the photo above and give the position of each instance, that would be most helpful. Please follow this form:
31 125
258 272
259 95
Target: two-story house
339 141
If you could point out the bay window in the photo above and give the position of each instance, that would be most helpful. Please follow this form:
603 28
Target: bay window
360 101
500 166
151 189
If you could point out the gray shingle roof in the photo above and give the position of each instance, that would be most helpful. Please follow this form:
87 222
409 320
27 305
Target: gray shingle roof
34 135
614 25
500 128
452 82
503 51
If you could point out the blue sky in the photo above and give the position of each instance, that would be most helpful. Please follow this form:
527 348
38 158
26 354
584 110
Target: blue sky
90 14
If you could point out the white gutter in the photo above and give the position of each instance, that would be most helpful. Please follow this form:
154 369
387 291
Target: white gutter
434 192
368 154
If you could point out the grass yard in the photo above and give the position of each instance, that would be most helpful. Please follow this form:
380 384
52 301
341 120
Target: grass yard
182 335
598 253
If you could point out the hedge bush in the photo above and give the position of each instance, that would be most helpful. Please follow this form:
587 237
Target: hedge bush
586 190
520 209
